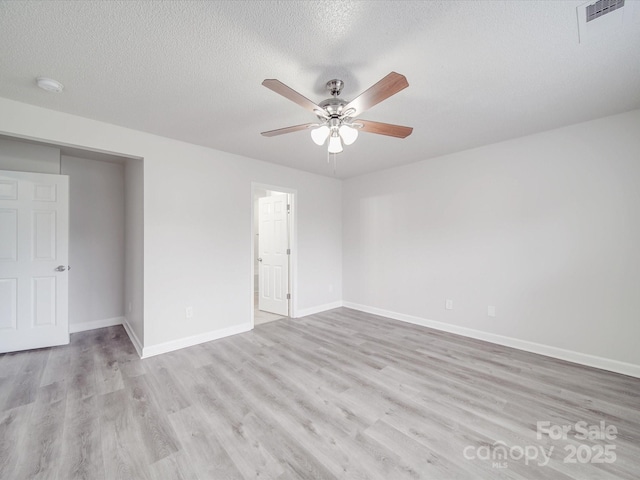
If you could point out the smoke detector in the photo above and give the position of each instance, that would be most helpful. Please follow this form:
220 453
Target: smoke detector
49 84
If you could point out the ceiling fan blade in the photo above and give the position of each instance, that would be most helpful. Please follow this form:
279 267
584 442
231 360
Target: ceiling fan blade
389 85
384 128
288 92
281 131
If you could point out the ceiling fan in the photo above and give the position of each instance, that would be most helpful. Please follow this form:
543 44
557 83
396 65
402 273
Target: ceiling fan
337 117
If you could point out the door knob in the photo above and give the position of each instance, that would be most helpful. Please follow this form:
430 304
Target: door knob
60 268
259 259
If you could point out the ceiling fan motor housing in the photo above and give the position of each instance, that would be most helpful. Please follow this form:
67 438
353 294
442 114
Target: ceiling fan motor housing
333 106
335 86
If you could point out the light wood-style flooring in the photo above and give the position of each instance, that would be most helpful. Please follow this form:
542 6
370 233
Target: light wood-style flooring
260 317
340 394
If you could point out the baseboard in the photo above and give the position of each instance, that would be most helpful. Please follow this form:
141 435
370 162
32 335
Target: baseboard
105 322
318 309
137 344
193 340
539 348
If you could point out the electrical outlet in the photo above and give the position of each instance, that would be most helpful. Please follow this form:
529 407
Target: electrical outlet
491 311
448 304
188 312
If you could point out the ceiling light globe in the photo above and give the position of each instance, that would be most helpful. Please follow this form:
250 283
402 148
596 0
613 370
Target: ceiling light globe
335 145
348 134
319 135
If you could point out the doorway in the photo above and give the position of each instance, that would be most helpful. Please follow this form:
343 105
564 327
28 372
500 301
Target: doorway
105 245
273 253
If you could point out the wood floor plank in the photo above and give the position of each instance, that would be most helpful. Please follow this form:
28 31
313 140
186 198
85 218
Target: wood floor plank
239 405
158 438
166 389
176 466
226 411
6 385
121 441
52 392
121 460
419 457
206 455
14 433
275 427
82 370
294 458
81 452
57 368
108 375
39 453
24 387
11 363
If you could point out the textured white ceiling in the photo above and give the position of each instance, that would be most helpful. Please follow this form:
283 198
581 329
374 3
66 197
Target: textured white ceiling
479 72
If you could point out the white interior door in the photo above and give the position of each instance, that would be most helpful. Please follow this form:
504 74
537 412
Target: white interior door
34 250
273 259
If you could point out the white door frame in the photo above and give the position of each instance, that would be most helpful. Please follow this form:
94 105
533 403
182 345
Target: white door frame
293 242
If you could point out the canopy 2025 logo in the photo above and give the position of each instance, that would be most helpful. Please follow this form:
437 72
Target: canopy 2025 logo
575 435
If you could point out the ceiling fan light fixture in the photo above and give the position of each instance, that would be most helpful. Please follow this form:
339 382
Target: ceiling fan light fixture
338 119
335 144
348 134
319 135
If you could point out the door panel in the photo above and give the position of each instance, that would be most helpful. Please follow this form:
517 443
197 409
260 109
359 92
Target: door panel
44 235
34 236
8 234
273 241
43 301
8 303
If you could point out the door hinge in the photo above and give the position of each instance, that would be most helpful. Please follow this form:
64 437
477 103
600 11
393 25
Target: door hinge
288 208
288 296
288 251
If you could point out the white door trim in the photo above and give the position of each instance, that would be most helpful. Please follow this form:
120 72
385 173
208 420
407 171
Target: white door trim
293 241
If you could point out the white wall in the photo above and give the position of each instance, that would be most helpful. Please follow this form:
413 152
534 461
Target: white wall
134 250
197 225
27 157
96 242
546 228
198 239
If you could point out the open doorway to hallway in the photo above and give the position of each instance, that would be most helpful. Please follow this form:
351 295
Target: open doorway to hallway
273 233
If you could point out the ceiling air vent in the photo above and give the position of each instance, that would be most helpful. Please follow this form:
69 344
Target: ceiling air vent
602 7
600 19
